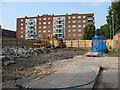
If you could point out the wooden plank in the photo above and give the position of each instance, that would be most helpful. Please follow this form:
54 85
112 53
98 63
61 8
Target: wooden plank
92 54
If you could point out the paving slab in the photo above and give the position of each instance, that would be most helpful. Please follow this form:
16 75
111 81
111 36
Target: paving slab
70 75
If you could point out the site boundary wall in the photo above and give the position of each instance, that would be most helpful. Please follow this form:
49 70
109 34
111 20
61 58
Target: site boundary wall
16 42
69 43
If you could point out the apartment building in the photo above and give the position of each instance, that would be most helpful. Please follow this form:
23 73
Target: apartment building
5 33
66 27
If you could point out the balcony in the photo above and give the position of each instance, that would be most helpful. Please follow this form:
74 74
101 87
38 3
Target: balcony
31 20
59 24
57 28
90 17
31 24
58 32
31 28
90 21
59 19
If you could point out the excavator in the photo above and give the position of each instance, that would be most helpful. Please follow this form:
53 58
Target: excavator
49 42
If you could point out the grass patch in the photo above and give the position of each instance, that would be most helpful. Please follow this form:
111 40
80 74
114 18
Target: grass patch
82 47
112 53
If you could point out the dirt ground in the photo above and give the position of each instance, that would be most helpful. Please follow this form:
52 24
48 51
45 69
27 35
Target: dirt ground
25 67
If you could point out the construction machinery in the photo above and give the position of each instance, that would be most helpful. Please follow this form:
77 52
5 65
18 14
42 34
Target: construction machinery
51 41
44 42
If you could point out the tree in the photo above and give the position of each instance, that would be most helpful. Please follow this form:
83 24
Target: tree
115 7
104 31
89 31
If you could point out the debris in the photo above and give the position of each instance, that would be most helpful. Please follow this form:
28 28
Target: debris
6 63
20 69
12 53
38 71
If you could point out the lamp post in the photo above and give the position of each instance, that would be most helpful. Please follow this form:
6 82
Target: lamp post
113 27
110 36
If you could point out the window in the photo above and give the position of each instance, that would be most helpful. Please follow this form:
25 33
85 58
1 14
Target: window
68 30
44 22
83 25
79 16
74 30
48 30
69 39
73 25
44 26
48 22
40 35
44 35
39 22
69 17
74 34
49 35
73 21
21 27
68 21
49 18
79 25
79 34
21 35
39 31
44 18
44 31
21 31
21 20
79 30
83 16
79 21
73 17
48 26
74 39
69 26
39 27
84 21
68 34
39 18
21 24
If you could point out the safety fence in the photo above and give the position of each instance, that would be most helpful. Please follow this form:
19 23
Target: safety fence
78 43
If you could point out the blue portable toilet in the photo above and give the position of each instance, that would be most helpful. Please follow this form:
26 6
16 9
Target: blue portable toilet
99 45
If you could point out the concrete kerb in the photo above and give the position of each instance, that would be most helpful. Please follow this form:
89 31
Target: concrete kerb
97 76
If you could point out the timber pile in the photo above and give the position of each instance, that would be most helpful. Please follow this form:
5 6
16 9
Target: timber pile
92 54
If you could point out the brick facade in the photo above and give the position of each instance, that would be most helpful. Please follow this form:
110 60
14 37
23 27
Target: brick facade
71 25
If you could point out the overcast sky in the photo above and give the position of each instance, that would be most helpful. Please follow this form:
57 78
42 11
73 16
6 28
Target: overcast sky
13 10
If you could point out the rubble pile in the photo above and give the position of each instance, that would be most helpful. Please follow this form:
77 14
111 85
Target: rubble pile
10 54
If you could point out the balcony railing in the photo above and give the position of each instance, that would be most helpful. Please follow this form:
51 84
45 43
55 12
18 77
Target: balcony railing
90 18
59 19
58 32
59 24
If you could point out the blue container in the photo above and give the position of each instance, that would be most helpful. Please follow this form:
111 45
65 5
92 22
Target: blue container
99 45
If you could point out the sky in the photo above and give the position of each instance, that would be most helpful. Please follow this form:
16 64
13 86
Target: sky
13 10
